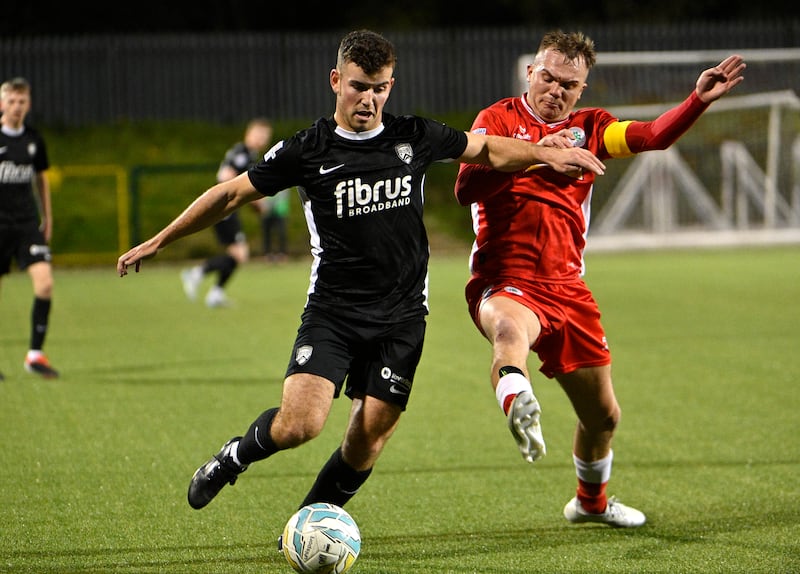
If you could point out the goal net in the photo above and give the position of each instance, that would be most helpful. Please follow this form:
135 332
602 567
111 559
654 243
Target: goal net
733 178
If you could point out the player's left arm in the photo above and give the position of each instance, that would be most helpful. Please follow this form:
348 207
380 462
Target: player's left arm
43 189
629 137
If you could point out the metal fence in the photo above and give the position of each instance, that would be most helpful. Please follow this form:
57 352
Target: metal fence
229 78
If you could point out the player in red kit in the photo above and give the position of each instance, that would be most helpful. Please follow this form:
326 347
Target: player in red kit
526 291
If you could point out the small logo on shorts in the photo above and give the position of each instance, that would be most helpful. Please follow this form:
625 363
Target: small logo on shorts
303 354
512 290
400 385
37 250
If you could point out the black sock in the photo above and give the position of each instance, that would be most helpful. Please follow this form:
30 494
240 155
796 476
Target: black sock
225 265
257 443
337 482
39 316
508 369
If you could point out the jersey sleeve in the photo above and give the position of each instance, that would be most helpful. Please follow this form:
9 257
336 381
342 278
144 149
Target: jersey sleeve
448 142
625 138
278 169
474 181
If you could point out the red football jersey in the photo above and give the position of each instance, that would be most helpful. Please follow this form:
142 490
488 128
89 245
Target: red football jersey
532 224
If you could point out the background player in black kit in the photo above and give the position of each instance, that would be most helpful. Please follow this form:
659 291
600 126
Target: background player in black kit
230 234
26 222
361 174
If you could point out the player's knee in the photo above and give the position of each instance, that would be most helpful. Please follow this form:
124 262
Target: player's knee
42 281
43 290
299 432
291 430
604 421
507 331
609 422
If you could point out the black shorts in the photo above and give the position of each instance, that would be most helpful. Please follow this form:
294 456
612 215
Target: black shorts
229 230
375 360
23 242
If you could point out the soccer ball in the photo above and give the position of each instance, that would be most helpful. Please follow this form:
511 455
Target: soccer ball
321 538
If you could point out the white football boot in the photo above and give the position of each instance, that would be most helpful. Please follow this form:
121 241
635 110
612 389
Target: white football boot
523 421
191 279
616 514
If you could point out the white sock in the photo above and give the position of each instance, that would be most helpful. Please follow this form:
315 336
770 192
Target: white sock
596 472
511 384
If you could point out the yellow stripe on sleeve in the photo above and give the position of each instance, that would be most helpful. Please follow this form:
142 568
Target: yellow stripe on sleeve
614 139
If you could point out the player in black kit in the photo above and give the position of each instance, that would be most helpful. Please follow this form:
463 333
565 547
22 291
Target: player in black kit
26 221
361 175
229 231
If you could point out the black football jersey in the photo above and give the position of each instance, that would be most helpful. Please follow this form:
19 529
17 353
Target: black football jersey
238 157
21 157
363 198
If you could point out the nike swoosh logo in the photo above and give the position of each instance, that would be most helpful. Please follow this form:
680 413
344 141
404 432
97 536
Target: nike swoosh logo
343 491
394 389
323 170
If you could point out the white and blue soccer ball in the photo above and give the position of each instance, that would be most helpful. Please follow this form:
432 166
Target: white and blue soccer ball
321 538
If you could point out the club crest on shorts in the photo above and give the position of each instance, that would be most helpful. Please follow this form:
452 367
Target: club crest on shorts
405 152
303 354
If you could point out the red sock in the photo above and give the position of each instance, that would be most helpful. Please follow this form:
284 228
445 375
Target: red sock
592 496
507 402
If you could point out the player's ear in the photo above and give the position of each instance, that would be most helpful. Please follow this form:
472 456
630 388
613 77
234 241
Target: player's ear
335 78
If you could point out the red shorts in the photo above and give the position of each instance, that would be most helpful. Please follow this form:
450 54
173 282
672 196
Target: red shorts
572 335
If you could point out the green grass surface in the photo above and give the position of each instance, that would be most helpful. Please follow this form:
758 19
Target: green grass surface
706 368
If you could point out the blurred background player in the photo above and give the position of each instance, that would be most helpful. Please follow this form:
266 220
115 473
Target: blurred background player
229 232
526 291
274 225
26 220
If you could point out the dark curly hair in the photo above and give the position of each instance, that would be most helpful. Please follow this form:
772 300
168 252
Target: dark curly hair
368 50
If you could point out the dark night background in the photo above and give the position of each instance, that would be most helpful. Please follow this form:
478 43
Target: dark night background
45 18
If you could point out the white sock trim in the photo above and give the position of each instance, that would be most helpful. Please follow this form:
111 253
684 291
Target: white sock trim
511 384
595 472
233 451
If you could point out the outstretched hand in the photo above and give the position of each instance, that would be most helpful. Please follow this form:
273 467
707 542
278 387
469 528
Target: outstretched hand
721 79
135 257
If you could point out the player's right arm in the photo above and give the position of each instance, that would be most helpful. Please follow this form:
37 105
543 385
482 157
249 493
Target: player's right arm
206 210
